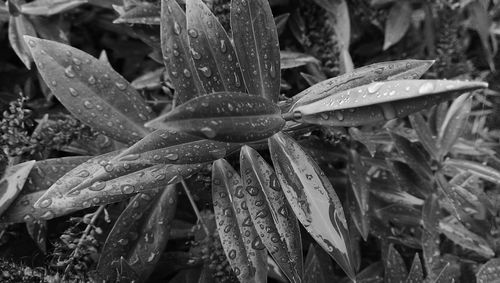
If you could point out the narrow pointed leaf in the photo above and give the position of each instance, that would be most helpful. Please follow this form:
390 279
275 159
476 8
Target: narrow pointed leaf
143 13
91 90
12 183
318 267
229 117
281 22
269 208
359 77
380 101
18 27
416 274
257 46
140 233
312 199
398 22
408 180
489 272
50 7
395 268
291 59
178 61
232 223
483 171
214 56
412 156
425 136
371 274
359 186
38 233
454 123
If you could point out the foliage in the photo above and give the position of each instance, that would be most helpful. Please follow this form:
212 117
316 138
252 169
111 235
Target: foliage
245 118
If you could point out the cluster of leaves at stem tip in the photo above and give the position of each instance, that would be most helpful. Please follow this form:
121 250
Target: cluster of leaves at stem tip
227 101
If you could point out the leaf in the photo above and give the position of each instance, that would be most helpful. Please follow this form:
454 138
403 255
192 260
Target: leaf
281 22
143 13
454 123
50 7
178 61
408 180
395 268
290 59
482 171
460 235
359 186
271 213
380 101
412 156
18 27
241 243
398 22
12 183
430 251
150 80
416 274
371 274
38 232
425 136
257 46
462 202
489 272
359 77
140 234
317 267
223 116
312 199
212 51
91 90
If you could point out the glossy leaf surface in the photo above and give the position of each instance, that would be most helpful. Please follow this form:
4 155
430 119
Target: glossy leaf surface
312 199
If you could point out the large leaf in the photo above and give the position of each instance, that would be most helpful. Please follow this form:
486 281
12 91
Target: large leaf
243 247
212 51
398 22
91 90
380 101
50 7
178 60
271 213
489 272
229 117
312 199
12 183
140 234
257 46
392 70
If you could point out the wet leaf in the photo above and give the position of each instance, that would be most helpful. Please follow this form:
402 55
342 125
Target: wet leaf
425 136
229 117
213 54
241 243
91 90
359 186
178 61
380 101
431 214
398 22
395 268
371 274
12 183
150 80
316 266
50 7
257 46
18 27
291 59
416 274
408 180
412 155
269 208
140 234
454 123
142 13
38 232
489 272
482 171
358 77
312 199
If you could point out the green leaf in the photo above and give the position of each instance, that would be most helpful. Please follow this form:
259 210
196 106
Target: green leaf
425 136
416 274
214 56
257 46
12 183
229 117
312 199
359 77
413 156
398 22
140 234
454 123
18 27
482 171
380 101
50 7
489 272
271 213
395 268
359 186
142 13
243 247
178 61
291 59
91 90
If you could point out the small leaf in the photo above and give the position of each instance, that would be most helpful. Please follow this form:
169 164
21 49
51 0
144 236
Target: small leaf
359 77
482 171
91 90
312 199
241 243
380 101
143 13
281 22
416 274
454 123
489 272
425 136
229 117
18 27
412 156
50 7
395 268
268 208
12 183
140 234
291 59
359 186
150 80
178 61
257 46
38 232
398 22
214 56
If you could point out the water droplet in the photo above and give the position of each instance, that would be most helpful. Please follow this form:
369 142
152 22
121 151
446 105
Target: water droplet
253 191
339 115
121 86
83 174
123 242
87 104
28 218
223 47
92 80
69 72
127 189
45 203
32 43
193 33
172 156
208 132
73 92
232 254
388 111
187 73
53 83
374 87
177 28
196 55
205 71
77 61
130 157
272 71
324 116
426 88
47 215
